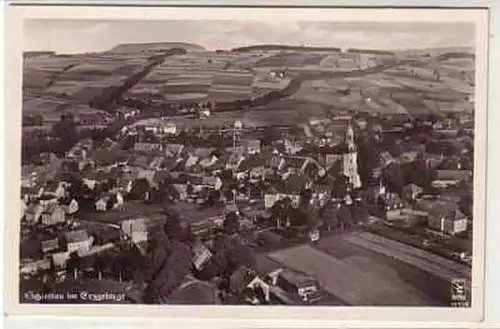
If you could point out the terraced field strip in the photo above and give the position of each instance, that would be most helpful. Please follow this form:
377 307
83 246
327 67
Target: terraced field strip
351 284
442 267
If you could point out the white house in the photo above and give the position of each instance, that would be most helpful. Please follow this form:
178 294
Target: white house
56 189
33 213
135 229
101 204
72 207
170 128
90 183
24 207
79 241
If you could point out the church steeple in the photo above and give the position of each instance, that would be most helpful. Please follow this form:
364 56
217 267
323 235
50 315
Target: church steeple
350 161
349 138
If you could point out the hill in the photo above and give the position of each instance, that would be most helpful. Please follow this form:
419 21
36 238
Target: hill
152 46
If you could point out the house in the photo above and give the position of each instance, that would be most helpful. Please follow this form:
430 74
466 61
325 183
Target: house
392 203
148 147
124 185
81 150
70 206
254 166
101 204
148 175
109 201
292 147
208 162
135 229
159 177
407 157
156 162
32 267
234 161
52 215
90 183
50 245
212 182
32 193
386 159
454 175
180 191
24 207
46 200
290 187
297 164
300 285
412 191
59 259
33 213
448 221
92 119
252 146
173 150
110 157
447 178
201 255
79 241
56 189
170 128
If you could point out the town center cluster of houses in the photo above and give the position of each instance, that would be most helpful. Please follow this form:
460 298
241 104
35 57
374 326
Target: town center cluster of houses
110 176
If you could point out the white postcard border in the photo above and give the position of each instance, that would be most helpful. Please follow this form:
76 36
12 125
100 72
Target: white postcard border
13 129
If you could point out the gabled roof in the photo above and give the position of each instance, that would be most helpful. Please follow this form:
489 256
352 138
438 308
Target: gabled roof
52 243
109 157
139 161
293 162
76 236
51 186
292 185
33 208
251 162
253 143
146 174
297 279
161 175
203 152
156 161
173 150
391 199
51 208
453 174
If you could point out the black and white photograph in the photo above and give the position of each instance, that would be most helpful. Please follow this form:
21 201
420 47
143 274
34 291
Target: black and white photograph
254 161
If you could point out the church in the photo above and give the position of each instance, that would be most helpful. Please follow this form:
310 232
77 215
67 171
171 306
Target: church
342 159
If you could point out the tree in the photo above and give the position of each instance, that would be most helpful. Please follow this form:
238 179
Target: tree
66 130
344 217
139 189
393 178
74 264
102 263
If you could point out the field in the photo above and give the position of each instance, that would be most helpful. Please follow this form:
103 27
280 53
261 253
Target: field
364 269
315 81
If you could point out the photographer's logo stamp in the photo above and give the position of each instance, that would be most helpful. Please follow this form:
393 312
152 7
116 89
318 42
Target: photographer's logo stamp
459 293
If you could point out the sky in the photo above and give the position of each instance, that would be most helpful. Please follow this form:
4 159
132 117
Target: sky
79 36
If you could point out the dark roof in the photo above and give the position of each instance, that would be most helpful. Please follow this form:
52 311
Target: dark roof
292 185
109 157
293 162
297 279
51 208
76 236
251 162
161 175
